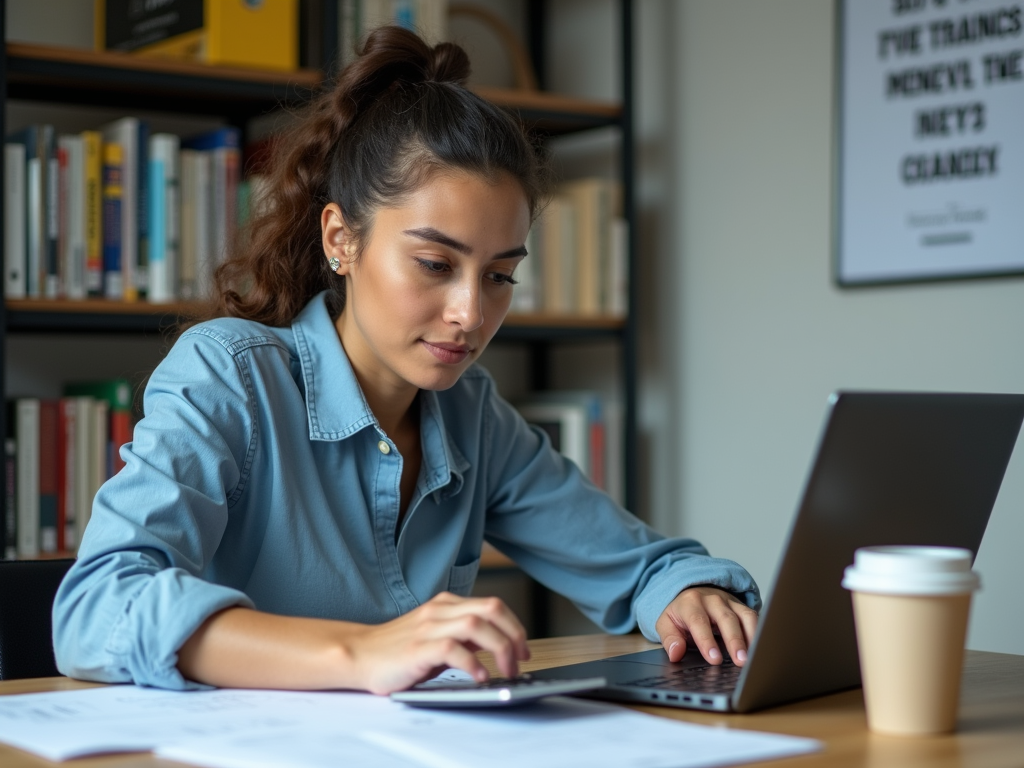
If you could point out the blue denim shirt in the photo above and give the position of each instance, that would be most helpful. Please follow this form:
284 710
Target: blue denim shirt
259 477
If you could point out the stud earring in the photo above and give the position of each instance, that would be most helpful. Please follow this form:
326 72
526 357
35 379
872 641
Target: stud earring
335 262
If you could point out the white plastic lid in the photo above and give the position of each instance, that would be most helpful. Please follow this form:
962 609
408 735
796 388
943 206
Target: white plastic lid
911 571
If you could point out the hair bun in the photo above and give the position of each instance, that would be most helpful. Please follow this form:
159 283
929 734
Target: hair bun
448 64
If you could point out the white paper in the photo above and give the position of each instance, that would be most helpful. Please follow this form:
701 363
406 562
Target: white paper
259 729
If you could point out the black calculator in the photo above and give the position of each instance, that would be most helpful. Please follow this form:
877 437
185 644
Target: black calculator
496 692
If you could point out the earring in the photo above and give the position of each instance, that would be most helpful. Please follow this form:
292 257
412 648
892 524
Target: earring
334 263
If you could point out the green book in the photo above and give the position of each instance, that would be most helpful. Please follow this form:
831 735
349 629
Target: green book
116 392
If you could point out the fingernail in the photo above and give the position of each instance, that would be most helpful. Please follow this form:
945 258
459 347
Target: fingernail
672 647
714 654
741 655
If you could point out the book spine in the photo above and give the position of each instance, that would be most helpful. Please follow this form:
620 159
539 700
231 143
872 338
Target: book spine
27 434
100 447
74 273
52 203
159 283
63 192
67 474
163 218
92 145
120 434
10 544
34 215
187 236
113 277
84 429
49 428
14 221
142 210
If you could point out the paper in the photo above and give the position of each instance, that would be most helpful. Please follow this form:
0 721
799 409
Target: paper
260 729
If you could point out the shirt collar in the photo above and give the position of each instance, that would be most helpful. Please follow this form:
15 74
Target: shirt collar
337 409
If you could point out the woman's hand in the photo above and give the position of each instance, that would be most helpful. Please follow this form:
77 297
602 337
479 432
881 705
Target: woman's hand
693 616
446 631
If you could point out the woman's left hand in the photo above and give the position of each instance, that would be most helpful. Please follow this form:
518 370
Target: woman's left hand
693 617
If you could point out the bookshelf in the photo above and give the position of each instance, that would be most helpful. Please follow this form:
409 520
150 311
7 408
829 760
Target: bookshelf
47 74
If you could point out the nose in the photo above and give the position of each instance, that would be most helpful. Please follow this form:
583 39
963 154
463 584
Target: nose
464 306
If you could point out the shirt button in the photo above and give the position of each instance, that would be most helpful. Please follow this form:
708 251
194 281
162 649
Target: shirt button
384 447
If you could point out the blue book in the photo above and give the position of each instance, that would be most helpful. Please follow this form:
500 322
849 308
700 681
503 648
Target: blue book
142 209
216 139
113 277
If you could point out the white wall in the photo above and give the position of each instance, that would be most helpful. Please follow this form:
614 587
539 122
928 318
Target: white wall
751 330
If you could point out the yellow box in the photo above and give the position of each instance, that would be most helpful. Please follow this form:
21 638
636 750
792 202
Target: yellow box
240 33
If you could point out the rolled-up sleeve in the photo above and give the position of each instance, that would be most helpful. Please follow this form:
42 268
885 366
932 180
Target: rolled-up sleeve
573 538
135 594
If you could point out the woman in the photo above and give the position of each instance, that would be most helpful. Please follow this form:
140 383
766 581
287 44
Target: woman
305 501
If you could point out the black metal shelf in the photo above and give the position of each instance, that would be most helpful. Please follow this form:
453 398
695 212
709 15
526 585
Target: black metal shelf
41 73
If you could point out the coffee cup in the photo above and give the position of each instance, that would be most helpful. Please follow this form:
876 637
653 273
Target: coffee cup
911 606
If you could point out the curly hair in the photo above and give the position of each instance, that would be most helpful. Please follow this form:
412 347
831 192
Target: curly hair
399 112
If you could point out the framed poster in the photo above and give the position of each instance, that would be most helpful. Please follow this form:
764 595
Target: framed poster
930 146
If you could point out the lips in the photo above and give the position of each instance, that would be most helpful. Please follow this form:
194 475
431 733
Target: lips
448 352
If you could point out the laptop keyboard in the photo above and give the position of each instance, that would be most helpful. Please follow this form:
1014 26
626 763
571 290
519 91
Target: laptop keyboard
706 679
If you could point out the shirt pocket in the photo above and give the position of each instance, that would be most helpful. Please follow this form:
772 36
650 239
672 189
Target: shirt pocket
462 577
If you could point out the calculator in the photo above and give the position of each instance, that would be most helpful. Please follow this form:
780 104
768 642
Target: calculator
496 692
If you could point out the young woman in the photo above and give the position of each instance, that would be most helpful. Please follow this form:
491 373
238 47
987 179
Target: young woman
305 500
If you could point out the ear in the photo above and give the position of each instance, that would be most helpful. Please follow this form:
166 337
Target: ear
338 240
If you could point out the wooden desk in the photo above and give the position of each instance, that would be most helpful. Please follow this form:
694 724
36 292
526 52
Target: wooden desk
990 730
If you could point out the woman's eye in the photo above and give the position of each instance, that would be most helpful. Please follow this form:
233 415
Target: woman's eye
433 267
500 278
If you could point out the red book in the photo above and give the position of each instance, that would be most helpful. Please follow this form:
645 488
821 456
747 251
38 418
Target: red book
120 433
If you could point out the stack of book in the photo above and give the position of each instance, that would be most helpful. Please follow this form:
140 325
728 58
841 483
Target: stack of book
117 213
578 263
585 428
57 454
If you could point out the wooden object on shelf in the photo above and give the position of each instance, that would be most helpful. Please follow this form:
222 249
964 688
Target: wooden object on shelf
525 77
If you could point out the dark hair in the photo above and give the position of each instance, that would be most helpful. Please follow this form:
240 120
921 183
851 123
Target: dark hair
399 112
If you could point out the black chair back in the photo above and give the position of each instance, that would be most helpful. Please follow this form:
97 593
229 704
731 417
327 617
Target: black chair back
27 589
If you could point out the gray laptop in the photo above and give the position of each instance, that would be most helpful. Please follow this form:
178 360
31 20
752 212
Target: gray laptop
892 468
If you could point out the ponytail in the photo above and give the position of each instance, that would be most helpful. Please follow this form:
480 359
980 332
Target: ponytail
399 111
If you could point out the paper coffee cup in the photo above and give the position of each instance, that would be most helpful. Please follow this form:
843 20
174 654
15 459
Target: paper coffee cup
911 606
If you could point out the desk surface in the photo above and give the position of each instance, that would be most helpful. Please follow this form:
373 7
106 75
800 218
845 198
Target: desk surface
990 731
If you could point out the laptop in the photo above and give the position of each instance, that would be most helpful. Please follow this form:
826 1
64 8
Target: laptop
891 468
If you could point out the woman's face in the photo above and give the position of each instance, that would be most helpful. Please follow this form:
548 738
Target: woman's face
433 281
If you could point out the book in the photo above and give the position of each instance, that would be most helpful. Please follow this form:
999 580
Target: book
581 428
72 219
24 416
216 205
126 133
9 532
99 471
113 190
36 140
117 394
163 217
263 35
617 295
51 215
558 233
92 210
15 247
49 428
428 18
592 201
566 425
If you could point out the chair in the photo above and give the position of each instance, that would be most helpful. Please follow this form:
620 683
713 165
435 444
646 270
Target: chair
27 589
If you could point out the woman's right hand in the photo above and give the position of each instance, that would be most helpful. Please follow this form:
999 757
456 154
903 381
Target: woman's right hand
446 631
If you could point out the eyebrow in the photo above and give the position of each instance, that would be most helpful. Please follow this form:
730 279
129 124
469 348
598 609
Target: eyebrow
434 236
